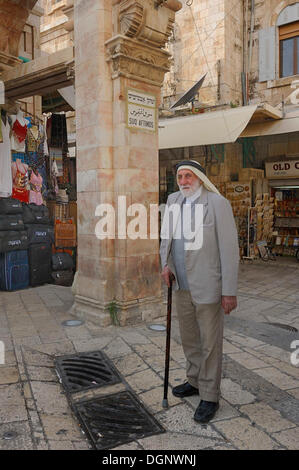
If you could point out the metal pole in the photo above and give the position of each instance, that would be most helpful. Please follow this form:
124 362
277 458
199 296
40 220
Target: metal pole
167 353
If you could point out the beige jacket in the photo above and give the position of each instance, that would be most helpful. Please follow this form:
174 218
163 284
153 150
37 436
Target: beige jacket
212 271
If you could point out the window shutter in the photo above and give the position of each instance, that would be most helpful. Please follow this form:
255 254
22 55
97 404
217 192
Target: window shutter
267 54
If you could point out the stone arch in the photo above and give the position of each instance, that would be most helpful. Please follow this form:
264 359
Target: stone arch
278 10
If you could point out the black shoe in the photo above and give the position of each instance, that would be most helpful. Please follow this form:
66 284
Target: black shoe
205 411
184 390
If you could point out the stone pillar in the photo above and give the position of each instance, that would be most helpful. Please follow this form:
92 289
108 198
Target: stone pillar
120 67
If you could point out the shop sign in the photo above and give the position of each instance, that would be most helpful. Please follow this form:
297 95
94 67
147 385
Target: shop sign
141 111
288 169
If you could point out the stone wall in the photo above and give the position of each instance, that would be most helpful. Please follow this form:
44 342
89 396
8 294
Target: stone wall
273 91
197 45
54 35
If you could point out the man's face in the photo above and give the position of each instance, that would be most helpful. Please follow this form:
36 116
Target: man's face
188 182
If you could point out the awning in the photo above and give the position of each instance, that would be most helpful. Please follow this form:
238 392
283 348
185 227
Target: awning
218 127
283 126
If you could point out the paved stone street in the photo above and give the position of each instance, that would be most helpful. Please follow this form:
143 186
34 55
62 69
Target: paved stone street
260 386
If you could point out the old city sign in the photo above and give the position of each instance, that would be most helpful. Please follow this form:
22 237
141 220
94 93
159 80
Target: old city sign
285 169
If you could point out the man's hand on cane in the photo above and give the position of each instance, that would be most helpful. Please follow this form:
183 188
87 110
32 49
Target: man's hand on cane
228 303
167 275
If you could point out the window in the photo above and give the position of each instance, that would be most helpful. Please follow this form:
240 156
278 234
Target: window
289 49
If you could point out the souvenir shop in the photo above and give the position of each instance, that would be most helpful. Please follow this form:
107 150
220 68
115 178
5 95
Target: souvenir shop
37 201
264 199
283 180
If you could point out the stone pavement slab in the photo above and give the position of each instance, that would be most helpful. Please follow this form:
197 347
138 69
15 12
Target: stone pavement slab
288 438
266 417
260 390
245 436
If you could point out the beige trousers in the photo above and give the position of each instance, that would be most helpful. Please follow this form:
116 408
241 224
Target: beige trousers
201 328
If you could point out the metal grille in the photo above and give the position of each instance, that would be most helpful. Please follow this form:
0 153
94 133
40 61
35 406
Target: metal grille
114 420
85 371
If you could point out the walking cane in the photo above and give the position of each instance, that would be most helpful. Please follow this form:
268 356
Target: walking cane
168 331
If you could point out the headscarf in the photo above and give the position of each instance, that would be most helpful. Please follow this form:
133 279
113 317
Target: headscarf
199 171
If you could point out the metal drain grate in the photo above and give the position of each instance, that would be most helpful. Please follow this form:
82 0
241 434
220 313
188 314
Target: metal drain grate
284 327
114 420
84 371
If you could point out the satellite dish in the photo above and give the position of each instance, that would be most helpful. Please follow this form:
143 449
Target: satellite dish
190 94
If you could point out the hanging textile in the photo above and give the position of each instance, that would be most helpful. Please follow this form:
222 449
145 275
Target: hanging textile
36 183
56 155
59 132
34 139
20 181
5 162
19 156
18 132
38 161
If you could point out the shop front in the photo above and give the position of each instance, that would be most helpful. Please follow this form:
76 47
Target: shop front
38 210
257 170
283 180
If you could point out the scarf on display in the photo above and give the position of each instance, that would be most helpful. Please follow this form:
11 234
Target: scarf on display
199 171
19 131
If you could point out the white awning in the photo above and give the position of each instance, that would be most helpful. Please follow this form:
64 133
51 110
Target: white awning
282 126
218 127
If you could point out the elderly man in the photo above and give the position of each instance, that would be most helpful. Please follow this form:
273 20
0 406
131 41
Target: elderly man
205 280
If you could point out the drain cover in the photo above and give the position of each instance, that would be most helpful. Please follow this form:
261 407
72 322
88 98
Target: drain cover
114 420
72 323
8 436
283 326
83 371
156 327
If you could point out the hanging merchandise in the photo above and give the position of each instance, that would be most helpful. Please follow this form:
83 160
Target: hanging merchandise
36 183
5 158
34 139
19 156
56 156
18 132
20 181
46 148
59 132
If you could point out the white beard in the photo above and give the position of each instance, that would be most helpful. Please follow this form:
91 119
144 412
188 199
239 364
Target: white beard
188 192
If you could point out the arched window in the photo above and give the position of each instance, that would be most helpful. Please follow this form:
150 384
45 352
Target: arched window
279 46
288 29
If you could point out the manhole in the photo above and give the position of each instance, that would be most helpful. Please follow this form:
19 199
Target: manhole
86 370
114 420
72 323
284 327
157 327
8 436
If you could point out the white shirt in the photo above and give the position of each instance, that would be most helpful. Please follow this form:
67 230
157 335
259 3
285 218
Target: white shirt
189 200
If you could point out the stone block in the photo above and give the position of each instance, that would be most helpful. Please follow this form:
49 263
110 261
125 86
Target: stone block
244 436
144 381
130 364
9 375
266 417
278 378
288 438
234 394
60 428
